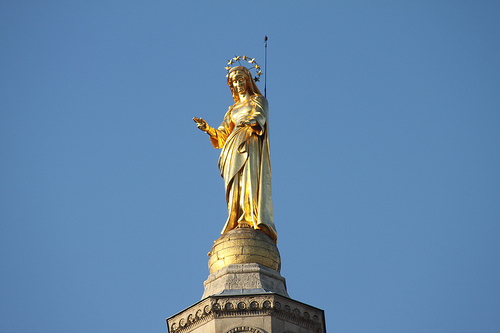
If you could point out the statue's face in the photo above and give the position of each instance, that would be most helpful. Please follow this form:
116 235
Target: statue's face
239 82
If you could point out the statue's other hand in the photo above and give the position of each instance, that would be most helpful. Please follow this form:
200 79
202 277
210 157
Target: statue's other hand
250 122
244 123
201 123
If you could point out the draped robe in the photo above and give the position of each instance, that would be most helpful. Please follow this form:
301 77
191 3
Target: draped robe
244 164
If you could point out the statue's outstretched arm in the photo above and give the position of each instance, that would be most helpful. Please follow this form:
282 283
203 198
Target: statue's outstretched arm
201 123
217 136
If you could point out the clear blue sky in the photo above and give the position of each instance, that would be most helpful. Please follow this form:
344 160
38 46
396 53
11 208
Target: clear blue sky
385 136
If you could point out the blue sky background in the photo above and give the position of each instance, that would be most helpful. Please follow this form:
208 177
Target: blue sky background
384 120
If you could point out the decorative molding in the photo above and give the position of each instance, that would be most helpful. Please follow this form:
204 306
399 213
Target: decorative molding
244 329
214 307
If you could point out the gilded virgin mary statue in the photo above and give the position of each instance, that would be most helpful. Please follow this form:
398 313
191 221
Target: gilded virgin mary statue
244 161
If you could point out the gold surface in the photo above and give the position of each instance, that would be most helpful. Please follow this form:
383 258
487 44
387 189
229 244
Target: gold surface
242 246
244 162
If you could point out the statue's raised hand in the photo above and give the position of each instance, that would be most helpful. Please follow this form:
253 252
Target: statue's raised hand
201 123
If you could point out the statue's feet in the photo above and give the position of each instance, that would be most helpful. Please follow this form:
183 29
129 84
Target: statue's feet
244 224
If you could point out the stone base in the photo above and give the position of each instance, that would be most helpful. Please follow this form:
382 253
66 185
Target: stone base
258 313
238 279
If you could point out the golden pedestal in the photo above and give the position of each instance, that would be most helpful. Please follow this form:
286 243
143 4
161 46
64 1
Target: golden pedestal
244 246
244 261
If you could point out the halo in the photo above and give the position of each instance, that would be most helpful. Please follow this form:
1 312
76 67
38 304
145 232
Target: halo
252 61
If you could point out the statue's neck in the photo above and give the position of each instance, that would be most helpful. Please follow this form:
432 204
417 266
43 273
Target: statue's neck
244 97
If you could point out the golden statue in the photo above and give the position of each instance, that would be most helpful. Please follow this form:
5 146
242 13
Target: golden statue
244 162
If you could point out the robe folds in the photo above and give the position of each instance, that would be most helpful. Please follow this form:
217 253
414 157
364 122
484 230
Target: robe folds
245 166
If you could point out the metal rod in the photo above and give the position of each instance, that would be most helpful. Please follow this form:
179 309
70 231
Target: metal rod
265 66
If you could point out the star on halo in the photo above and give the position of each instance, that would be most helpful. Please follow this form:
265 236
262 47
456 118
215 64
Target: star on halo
237 58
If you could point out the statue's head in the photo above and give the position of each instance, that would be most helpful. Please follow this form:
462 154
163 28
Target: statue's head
240 79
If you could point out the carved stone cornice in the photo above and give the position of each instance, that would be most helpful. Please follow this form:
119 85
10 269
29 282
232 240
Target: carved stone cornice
219 307
244 329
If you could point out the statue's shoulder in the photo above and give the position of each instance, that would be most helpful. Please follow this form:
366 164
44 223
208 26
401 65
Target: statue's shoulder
259 99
